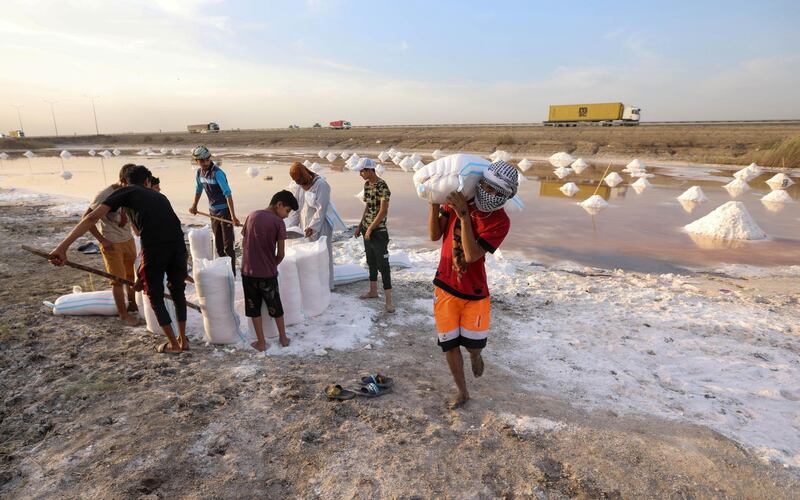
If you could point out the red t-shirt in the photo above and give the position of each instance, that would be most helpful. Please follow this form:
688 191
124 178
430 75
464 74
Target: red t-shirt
260 235
469 282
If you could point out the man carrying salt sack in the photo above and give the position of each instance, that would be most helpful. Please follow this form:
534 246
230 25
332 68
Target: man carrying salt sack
113 232
313 195
469 229
211 179
373 227
163 249
263 238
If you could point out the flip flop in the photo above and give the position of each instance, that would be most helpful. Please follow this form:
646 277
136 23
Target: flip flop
335 391
379 379
372 390
164 349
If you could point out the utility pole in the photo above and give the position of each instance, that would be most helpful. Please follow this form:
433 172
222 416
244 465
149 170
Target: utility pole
19 115
52 112
94 110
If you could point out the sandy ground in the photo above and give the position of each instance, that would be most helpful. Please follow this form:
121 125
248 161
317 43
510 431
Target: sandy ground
89 410
733 144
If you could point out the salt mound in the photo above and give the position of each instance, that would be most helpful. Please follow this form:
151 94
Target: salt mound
578 166
779 181
307 164
438 154
176 151
360 196
635 166
730 221
252 171
407 164
380 170
3 156
315 167
562 172
106 153
117 152
640 185
736 187
321 153
28 154
392 151
418 166
65 154
749 172
331 157
569 189
66 175
415 158
693 194
383 156
525 164
778 196
500 155
688 206
397 159
92 152
345 155
163 151
613 179
561 159
595 201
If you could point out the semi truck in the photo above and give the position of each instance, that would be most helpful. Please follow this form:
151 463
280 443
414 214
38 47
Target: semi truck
604 114
203 128
16 133
340 125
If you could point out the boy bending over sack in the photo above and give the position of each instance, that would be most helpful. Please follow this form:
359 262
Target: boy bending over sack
263 238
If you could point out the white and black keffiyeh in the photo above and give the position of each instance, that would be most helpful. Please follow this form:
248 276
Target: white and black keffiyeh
504 178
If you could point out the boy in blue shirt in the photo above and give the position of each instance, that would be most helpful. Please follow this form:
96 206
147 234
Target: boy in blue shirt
211 179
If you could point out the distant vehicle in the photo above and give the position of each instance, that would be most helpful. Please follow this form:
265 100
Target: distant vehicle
16 133
292 127
340 125
317 125
203 128
605 114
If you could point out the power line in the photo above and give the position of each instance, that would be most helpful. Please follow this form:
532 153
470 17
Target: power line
52 112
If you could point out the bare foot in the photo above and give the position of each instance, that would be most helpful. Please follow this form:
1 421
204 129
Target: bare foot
459 401
130 320
369 295
184 343
477 365
259 346
389 307
284 341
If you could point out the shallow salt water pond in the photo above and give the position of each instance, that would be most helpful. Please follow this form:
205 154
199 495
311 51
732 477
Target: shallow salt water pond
637 231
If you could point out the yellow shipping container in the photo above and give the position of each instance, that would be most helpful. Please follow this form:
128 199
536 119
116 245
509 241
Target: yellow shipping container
586 112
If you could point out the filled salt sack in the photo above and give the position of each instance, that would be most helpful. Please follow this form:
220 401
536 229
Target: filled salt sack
150 318
561 159
500 155
307 163
28 154
400 259
415 158
569 189
268 325
730 221
92 152
383 156
612 179
213 280
252 171
525 164
360 196
436 180
397 159
640 185
779 181
594 202
353 160
437 154
392 151
321 153
345 155
418 166
380 170
65 155
86 304
778 196
117 152
694 194
562 172
289 286
200 246
579 165
313 270
349 273
407 164
331 157
315 167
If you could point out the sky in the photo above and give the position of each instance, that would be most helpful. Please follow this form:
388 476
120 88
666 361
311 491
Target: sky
162 64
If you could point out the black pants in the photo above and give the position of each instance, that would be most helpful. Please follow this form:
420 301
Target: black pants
223 236
377 249
257 290
169 260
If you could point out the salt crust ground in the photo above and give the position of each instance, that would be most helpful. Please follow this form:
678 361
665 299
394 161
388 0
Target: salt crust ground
676 347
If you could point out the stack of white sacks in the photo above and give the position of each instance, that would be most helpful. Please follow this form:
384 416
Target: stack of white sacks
778 196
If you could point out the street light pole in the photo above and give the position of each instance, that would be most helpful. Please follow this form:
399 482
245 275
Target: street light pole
19 115
94 111
52 112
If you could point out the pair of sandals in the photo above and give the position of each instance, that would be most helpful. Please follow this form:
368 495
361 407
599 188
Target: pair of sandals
371 386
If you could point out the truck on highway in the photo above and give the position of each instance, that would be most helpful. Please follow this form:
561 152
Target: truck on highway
340 125
605 114
203 128
16 133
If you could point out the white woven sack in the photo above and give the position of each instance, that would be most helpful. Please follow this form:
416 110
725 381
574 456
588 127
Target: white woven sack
214 282
150 318
200 243
86 304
